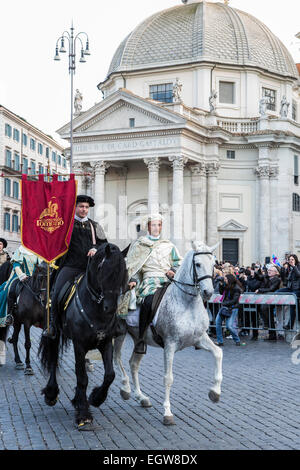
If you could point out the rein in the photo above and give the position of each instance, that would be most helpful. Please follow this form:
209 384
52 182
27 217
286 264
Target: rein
196 279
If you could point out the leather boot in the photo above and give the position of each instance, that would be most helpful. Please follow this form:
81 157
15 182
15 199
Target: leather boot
145 315
51 331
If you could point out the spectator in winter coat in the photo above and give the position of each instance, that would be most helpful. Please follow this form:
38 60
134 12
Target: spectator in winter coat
293 283
271 283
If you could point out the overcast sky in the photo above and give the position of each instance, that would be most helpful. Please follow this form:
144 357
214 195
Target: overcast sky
35 87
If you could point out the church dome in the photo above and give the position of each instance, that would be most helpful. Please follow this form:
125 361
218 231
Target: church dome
202 32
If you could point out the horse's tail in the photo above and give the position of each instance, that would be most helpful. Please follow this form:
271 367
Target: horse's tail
49 351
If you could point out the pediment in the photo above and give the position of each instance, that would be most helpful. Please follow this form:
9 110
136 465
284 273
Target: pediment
118 116
115 111
232 226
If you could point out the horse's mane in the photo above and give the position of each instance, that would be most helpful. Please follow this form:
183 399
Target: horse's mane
115 271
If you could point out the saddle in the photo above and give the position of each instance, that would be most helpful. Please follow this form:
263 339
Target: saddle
67 292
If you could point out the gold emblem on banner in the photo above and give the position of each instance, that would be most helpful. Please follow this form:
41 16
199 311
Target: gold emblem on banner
49 219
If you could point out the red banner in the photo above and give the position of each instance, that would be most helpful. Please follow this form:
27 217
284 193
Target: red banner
47 216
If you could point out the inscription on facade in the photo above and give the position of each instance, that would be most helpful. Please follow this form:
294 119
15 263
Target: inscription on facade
143 144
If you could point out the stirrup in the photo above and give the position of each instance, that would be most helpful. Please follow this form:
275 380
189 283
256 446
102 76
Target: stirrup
51 333
140 347
9 320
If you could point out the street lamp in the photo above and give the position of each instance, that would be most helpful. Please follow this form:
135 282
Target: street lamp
72 66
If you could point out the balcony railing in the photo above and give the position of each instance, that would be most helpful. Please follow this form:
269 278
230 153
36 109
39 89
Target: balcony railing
239 126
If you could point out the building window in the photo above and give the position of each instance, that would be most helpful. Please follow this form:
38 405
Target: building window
32 144
40 149
8 130
15 223
7 221
8 158
227 92
16 135
47 152
7 187
25 165
17 162
32 167
296 170
16 190
271 98
231 154
24 139
64 163
162 92
131 122
294 110
296 202
54 156
41 169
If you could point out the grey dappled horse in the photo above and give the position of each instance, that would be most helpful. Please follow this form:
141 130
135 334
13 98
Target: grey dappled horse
182 321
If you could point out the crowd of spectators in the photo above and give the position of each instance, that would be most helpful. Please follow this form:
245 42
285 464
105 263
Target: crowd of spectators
231 281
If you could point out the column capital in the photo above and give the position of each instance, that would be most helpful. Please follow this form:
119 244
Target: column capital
100 167
212 168
199 169
262 171
178 162
152 163
274 171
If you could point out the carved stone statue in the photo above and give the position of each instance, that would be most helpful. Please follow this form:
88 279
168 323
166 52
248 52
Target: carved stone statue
263 106
213 102
177 89
78 102
284 109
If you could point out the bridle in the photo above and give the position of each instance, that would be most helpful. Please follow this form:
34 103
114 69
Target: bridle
196 279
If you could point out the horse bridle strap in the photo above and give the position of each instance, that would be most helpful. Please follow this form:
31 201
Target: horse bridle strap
196 279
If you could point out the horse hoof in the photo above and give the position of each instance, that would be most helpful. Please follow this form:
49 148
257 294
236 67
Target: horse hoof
85 425
51 402
19 366
90 367
124 395
213 396
169 421
10 341
146 403
28 371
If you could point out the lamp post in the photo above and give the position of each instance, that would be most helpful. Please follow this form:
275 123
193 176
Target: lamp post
72 67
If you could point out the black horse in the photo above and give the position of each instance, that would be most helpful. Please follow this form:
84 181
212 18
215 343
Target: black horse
26 302
90 321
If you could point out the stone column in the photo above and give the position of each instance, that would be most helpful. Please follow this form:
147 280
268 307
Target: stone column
153 184
199 194
263 173
274 172
178 201
100 168
212 203
77 167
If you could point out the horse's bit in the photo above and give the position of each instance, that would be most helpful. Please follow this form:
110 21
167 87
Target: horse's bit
196 279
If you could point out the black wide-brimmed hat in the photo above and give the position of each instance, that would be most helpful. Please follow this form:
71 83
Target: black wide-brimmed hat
83 198
4 242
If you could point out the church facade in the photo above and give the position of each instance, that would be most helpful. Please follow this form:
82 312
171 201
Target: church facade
199 121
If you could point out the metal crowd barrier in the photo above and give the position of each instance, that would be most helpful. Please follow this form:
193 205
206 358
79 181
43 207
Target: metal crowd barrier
262 311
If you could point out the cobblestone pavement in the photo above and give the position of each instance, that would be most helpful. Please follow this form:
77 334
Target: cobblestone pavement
259 407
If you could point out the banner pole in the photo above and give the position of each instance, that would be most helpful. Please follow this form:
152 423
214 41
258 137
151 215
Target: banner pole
48 297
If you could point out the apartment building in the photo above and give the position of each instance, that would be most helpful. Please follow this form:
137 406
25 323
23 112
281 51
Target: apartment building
24 149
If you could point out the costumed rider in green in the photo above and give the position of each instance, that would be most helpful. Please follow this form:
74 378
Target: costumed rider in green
151 260
24 262
87 236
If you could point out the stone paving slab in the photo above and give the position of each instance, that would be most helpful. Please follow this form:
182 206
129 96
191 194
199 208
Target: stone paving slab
259 407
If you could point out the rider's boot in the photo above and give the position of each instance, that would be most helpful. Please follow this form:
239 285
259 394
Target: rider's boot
50 332
145 313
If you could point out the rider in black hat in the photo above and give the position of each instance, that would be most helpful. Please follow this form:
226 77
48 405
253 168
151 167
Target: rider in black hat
86 238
